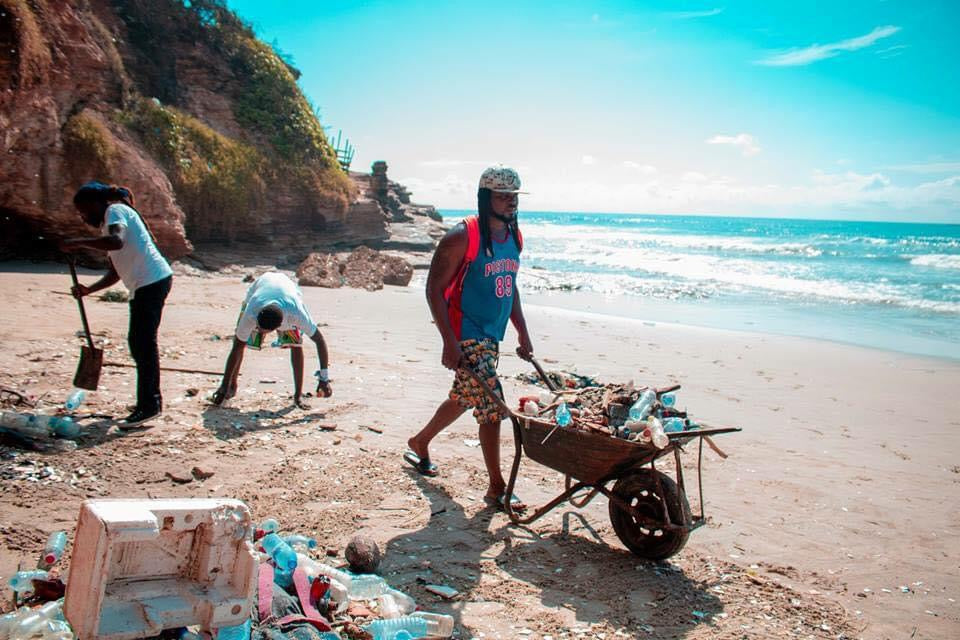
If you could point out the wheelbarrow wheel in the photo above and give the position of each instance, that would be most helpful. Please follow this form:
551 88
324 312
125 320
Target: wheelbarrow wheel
640 491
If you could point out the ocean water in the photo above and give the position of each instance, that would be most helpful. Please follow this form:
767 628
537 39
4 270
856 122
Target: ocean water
893 286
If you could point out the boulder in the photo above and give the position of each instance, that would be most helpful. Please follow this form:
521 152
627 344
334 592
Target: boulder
320 270
364 268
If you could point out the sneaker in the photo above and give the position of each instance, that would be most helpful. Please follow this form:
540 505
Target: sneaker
138 418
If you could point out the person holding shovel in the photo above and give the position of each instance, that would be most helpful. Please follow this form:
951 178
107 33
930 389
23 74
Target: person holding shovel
275 303
472 292
136 260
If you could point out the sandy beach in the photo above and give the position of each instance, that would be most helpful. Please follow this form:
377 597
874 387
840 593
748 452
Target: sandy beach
835 514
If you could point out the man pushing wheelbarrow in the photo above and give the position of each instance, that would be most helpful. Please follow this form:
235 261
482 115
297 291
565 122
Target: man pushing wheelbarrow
472 292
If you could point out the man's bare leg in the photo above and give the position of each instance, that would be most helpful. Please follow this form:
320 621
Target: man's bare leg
444 416
490 445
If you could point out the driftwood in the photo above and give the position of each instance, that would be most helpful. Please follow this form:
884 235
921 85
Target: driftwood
175 369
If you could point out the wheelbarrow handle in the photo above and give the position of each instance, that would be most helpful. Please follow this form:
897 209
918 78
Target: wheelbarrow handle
540 371
497 400
83 312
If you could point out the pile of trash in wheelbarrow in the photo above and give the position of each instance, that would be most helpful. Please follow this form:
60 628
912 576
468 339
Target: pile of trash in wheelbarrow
199 569
639 414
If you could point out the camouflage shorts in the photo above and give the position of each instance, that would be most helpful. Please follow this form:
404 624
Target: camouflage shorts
482 356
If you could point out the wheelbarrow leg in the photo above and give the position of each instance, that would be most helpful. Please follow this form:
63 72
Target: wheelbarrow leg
517 453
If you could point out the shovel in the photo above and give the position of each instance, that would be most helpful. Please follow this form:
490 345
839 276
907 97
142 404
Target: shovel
91 358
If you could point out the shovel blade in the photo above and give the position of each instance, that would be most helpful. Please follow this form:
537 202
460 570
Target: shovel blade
88 371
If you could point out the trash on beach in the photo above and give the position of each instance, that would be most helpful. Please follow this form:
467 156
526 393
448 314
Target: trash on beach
38 431
442 590
189 569
141 566
471 442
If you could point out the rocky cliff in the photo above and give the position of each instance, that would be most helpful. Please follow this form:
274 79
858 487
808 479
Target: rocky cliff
178 101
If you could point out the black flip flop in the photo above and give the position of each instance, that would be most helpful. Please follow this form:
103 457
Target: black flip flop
423 465
500 502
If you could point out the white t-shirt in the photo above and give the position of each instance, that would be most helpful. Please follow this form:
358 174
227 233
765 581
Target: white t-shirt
139 263
275 288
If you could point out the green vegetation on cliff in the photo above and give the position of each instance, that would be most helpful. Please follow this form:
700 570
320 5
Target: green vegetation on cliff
87 148
217 180
220 181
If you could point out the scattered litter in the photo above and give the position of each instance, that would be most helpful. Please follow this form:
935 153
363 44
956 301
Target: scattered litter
327 426
444 592
471 443
375 429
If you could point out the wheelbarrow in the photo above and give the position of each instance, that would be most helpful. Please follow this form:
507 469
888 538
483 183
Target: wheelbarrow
648 509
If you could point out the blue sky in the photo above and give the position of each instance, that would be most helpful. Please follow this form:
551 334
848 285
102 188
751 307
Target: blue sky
749 108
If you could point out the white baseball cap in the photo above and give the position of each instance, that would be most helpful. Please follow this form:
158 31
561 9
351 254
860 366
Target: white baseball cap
500 179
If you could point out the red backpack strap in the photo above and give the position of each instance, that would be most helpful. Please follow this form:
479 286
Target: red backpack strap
519 240
472 225
473 238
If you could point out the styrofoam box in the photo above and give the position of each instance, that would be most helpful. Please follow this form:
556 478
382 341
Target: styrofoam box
141 566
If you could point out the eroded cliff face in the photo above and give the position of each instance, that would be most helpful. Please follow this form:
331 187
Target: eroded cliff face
156 95
57 62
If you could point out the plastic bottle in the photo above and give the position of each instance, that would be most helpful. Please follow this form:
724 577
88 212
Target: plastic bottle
387 606
283 556
44 622
53 550
641 408
657 435
562 415
673 425
417 625
668 399
270 525
367 586
237 632
26 425
75 399
339 580
297 541
531 408
22 581
64 427
546 398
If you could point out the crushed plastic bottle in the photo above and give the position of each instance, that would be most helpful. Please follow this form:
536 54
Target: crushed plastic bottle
644 404
43 623
297 541
22 581
53 550
657 435
562 415
673 425
283 556
367 586
668 399
339 580
417 625
270 525
75 399
64 427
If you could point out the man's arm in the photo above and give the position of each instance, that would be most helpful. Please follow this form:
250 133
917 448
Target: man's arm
443 268
113 241
109 279
525 350
228 386
323 382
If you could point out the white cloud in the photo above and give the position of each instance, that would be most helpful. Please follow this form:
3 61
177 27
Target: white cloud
927 167
646 169
747 143
892 52
688 15
816 52
588 160
443 162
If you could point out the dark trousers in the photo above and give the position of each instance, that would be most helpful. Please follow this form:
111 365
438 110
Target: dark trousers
146 308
